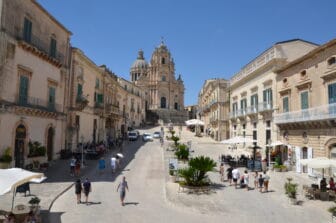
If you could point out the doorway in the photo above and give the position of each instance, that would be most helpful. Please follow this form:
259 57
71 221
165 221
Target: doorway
304 156
163 102
20 138
50 143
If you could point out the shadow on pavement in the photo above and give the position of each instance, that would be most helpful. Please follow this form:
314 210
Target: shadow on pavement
130 203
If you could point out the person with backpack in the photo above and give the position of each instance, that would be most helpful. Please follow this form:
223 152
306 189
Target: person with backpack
87 189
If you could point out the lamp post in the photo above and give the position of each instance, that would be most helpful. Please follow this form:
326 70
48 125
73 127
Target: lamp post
82 160
269 152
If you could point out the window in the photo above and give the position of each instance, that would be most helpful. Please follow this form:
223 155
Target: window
97 82
254 125
53 45
254 102
332 93
100 98
79 90
77 121
235 107
331 61
163 78
163 61
304 100
23 91
52 98
243 104
268 124
267 98
285 104
27 30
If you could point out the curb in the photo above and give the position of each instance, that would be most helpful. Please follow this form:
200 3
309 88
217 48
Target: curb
60 194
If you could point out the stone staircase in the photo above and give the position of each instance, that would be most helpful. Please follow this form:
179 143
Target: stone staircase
167 116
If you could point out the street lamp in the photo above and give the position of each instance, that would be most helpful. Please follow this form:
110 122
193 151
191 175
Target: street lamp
82 162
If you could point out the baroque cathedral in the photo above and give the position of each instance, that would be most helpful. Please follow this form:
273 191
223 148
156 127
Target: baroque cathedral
164 93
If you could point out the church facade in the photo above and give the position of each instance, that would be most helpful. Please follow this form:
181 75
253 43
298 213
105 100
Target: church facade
164 93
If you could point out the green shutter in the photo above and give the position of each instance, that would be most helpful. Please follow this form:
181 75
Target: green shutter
264 96
23 91
79 90
52 97
285 104
100 98
332 93
52 51
304 100
27 30
270 96
252 101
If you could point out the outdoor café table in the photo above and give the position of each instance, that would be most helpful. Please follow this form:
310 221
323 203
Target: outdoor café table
20 212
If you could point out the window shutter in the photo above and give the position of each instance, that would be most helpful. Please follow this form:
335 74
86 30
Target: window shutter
23 91
264 96
270 96
79 90
304 100
332 93
285 104
51 102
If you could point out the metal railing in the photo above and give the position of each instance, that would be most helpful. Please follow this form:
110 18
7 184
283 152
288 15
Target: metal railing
43 46
252 109
265 106
38 103
323 112
110 108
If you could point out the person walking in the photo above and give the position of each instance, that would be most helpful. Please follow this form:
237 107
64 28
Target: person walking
78 190
113 164
229 174
77 167
266 181
235 176
101 165
256 180
246 180
87 189
261 182
72 166
123 186
221 172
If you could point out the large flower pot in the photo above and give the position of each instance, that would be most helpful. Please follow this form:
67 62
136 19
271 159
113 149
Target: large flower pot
4 165
293 201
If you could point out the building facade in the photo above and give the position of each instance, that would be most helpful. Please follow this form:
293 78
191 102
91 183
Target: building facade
132 103
34 55
306 92
93 107
192 111
164 93
213 105
253 92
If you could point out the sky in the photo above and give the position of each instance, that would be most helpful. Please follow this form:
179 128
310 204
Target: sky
206 38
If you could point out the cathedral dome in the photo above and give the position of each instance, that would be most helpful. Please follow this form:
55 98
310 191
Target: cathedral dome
140 62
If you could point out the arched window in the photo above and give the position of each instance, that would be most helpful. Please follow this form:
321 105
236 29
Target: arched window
163 102
163 61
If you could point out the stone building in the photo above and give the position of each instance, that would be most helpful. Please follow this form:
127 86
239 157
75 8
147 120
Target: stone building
253 99
34 55
164 93
132 104
93 107
192 111
213 108
306 95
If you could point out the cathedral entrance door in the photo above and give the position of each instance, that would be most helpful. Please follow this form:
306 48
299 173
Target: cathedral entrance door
163 102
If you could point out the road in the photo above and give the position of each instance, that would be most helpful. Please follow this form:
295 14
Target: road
154 199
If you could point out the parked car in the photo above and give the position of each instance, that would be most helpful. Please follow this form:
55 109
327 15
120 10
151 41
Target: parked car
147 137
132 136
157 135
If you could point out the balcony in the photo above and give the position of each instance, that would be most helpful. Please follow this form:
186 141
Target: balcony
252 110
112 109
42 46
213 120
233 114
81 102
320 113
241 112
37 103
265 107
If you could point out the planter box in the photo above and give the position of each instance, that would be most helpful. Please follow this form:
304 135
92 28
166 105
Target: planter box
277 169
4 165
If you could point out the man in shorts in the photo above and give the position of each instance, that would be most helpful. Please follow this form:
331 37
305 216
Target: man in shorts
87 189
123 186
235 176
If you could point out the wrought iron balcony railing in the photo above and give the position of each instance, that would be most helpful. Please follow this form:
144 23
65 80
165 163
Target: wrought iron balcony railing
38 103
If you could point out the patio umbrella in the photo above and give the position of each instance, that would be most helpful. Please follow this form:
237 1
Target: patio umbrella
319 163
276 143
238 140
194 122
120 155
14 177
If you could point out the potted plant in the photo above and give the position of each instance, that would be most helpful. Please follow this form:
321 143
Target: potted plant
332 210
34 202
291 190
182 152
6 158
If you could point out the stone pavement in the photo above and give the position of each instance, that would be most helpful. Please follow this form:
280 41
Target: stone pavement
58 181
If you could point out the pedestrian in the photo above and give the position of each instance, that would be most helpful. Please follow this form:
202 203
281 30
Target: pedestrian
101 165
72 166
78 190
31 218
235 176
77 167
261 182
266 181
229 174
256 179
246 180
10 218
123 186
113 164
221 172
87 189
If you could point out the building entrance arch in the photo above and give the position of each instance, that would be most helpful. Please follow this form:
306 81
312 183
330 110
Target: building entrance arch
163 102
